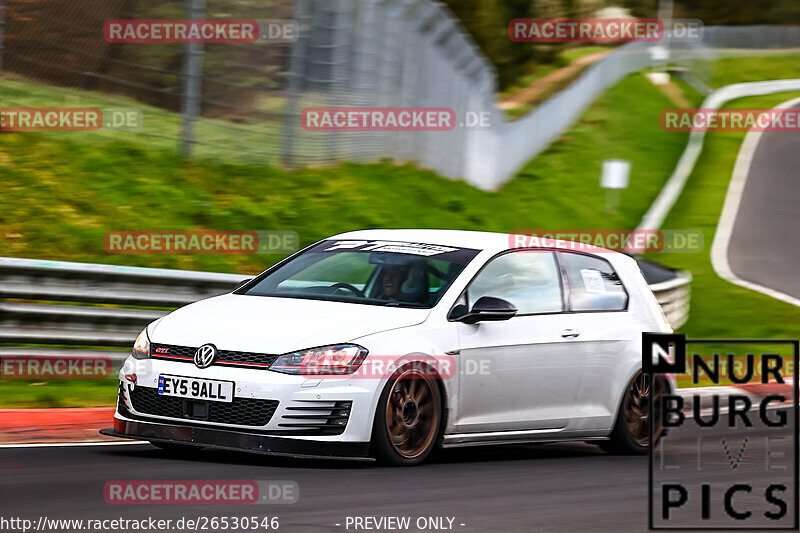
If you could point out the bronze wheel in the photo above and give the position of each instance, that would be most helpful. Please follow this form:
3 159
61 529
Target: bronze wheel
631 433
410 416
637 408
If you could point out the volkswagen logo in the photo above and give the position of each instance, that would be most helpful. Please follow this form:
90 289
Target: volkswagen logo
205 356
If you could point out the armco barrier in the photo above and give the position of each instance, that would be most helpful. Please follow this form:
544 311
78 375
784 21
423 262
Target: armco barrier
672 289
76 324
77 329
674 296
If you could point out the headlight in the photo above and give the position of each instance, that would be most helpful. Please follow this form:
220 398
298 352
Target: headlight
141 348
337 359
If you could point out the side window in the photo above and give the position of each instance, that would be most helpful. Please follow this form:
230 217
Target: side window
529 280
593 284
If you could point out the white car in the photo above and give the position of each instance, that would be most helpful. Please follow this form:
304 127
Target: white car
390 343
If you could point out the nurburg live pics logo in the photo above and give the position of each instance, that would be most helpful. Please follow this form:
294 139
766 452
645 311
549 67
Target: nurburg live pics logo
728 455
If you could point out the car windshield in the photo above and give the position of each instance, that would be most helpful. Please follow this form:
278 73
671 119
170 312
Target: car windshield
387 273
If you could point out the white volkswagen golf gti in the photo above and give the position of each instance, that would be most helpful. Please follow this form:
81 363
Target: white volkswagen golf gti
391 343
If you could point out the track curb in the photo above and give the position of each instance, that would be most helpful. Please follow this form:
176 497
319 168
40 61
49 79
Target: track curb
81 424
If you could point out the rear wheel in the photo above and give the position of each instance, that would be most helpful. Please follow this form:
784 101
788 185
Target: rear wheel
631 433
408 418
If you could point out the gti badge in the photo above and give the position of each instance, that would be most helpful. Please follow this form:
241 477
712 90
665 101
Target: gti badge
205 356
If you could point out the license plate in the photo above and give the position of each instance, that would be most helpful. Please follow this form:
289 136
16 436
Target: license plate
198 389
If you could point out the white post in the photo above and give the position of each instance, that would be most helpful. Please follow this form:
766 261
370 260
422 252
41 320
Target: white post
615 177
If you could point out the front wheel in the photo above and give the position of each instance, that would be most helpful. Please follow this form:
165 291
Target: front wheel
408 418
631 433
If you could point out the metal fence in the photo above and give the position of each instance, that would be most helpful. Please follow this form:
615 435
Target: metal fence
78 309
752 37
243 101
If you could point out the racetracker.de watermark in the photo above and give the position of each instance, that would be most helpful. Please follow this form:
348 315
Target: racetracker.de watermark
603 30
637 241
384 366
219 31
69 119
54 367
226 492
544 30
378 119
201 242
710 119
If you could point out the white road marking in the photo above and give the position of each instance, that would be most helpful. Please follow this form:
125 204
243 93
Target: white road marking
673 188
719 248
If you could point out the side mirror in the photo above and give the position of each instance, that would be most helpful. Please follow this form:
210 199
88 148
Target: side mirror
242 283
489 308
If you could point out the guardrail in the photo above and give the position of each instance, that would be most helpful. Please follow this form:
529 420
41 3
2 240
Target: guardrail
674 296
43 303
672 289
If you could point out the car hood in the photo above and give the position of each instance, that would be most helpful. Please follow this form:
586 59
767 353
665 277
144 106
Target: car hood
276 325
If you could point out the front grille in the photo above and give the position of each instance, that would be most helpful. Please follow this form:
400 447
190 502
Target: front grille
224 358
240 412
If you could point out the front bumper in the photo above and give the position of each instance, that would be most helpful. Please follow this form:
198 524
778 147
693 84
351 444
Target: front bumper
237 441
265 403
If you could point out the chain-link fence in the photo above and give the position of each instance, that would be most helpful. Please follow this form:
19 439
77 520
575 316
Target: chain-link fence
243 101
752 37
225 100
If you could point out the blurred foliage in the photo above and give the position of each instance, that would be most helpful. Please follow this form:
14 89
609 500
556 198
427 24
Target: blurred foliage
61 43
487 22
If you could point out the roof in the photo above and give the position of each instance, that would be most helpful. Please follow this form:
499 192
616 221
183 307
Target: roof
481 240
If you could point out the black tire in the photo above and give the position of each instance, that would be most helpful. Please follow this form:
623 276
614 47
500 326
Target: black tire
631 433
404 412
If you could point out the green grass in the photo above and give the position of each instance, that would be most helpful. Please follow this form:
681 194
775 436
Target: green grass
21 394
254 138
61 194
729 70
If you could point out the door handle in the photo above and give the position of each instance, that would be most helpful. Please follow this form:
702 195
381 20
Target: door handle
569 333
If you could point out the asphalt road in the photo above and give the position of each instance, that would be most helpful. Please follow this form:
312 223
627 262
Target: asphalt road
765 243
547 488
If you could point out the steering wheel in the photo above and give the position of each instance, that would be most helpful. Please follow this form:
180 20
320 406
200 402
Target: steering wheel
352 288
